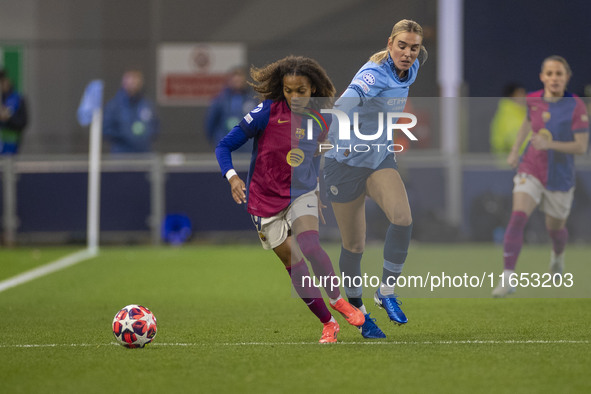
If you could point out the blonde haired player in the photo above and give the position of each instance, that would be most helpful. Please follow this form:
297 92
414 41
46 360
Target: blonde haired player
381 85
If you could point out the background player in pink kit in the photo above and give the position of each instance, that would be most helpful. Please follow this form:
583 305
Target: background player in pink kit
546 175
281 196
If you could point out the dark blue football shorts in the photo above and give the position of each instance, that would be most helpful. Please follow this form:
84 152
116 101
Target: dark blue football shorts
345 183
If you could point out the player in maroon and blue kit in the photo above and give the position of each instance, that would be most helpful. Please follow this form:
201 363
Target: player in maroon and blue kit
281 191
546 174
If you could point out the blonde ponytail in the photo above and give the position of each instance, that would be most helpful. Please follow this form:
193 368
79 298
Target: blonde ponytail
379 57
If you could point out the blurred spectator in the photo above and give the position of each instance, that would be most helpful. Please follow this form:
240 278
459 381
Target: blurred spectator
13 116
229 107
130 122
510 114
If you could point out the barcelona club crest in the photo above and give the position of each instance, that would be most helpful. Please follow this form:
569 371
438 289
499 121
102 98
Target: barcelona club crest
300 133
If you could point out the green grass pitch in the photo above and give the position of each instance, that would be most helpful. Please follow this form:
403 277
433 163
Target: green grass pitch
227 322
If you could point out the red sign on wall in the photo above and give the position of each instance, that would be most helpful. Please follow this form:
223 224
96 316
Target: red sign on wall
192 74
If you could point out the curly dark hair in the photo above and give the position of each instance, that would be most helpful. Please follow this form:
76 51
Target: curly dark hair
269 79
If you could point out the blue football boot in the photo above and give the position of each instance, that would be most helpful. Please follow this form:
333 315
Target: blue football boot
370 330
392 307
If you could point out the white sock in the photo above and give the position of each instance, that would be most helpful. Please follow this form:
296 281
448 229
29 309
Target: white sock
386 290
334 300
332 320
507 274
556 258
363 310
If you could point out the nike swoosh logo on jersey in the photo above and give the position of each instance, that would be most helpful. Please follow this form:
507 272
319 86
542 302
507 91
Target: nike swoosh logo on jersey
282 121
311 206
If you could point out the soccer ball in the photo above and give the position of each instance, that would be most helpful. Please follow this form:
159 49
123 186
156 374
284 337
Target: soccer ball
134 326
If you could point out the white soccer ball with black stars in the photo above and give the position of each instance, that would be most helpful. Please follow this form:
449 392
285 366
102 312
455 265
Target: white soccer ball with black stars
134 326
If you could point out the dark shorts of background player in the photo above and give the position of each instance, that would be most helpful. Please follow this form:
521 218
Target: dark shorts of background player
345 183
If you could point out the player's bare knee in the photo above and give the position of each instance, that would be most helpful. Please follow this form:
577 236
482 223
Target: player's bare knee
555 224
401 219
355 247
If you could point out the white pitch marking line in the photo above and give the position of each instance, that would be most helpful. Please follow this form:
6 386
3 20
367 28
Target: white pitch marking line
477 342
47 269
465 342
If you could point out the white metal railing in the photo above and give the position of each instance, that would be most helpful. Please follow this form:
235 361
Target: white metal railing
158 165
155 165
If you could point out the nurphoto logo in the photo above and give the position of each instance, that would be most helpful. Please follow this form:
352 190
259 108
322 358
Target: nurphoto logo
344 131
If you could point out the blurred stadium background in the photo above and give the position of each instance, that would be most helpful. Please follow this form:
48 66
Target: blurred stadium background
226 320
462 194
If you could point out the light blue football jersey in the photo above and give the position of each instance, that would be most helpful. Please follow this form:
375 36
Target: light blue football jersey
375 89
